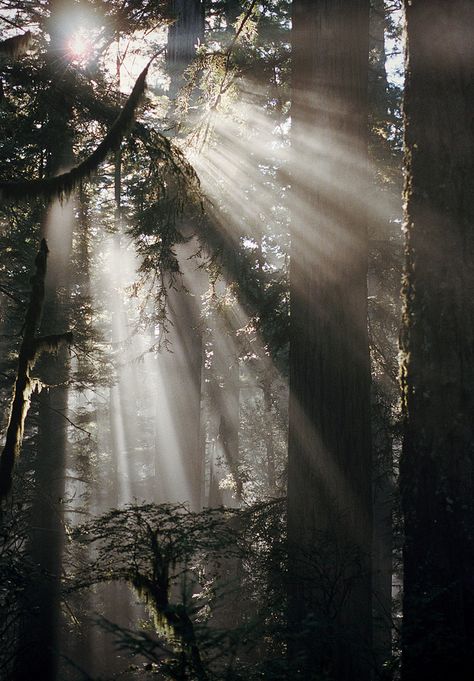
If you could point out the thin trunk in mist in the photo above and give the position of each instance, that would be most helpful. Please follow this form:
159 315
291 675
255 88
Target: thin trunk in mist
269 437
437 484
329 470
266 384
224 393
122 411
39 631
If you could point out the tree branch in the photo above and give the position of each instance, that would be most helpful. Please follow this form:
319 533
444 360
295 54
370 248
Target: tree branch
62 185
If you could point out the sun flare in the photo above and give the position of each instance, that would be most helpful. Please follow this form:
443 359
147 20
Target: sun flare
80 46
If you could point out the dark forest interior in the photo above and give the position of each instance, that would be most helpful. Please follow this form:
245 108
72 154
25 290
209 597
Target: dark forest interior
236 340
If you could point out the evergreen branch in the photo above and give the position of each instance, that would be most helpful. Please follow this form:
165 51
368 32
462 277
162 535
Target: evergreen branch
62 185
223 87
74 425
241 26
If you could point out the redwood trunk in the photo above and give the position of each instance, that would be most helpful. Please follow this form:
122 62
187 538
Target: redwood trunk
329 471
437 483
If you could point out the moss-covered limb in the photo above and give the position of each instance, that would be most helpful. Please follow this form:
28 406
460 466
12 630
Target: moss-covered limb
30 348
105 111
172 621
18 44
62 185
23 384
52 343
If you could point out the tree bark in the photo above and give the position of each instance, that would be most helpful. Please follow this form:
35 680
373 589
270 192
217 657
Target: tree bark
23 384
184 34
437 484
329 468
382 229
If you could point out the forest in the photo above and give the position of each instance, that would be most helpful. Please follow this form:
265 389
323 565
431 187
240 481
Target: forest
236 340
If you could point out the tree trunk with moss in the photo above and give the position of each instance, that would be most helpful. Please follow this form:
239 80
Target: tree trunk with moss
40 632
329 468
437 484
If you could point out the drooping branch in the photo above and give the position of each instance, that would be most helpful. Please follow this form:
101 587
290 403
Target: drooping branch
18 44
62 185
52 343
30 349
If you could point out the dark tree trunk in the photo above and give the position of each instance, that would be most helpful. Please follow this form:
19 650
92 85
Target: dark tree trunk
382 564
329 470
437 483
184 34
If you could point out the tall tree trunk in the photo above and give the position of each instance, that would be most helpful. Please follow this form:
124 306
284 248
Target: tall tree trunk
329 469
183 367
437 483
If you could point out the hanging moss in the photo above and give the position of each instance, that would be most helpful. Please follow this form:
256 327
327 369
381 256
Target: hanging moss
148 594
171 621
51 344
18 44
